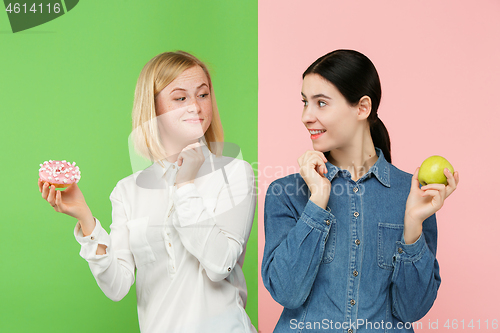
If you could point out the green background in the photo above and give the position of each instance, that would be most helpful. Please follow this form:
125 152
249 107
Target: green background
66 92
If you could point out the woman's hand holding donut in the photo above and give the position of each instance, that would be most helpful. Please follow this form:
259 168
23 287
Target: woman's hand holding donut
190 161
424 201
70 202
313 169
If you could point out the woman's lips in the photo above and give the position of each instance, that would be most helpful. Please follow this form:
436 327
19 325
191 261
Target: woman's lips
193 120
316 133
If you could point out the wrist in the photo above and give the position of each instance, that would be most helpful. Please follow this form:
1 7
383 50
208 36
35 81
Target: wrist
412 229
411 235
320 201
179 185
411 220
87 223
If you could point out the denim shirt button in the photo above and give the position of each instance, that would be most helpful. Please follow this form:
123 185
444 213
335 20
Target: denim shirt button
357 242
400 250
350 330
355 273
356 214
355 190
353 302
327 222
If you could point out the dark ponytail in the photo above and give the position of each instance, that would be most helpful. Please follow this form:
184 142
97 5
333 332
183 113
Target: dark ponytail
355 76
380 137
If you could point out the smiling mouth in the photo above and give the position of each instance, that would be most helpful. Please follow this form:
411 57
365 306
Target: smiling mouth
315 132
193 120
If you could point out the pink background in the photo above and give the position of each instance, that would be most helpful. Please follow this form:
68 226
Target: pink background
439 64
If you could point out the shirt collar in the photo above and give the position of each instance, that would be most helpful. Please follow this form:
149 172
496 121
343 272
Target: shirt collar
380 170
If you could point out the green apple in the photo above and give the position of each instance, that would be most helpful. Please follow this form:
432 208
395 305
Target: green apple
432 170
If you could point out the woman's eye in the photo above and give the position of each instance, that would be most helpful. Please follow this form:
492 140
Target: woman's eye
321 104
204 95
305 102
181 99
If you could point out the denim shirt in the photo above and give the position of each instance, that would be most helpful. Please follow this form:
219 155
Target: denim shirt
347 268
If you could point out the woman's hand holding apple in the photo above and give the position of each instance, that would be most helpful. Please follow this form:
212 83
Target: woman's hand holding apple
424 201
313 169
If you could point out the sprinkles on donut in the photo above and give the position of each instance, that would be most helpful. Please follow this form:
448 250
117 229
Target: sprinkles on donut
59 173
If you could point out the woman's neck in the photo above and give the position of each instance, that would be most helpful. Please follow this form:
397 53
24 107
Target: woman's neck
357 158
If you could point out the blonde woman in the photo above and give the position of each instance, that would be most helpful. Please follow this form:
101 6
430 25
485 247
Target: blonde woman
180 227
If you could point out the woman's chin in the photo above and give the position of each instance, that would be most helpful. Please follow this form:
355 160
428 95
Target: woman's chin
320 147
190 135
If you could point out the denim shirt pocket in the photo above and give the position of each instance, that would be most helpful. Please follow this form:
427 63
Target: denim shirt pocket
139 245
330 241
388 235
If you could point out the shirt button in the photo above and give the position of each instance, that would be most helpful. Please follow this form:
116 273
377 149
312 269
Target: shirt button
169 244
355 273
355 190
357 242
352 302
92 237
400 250
356 214
229 269
327 222
173 166
350 330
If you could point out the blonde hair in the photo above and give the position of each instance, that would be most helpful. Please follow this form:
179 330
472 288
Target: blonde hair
156 75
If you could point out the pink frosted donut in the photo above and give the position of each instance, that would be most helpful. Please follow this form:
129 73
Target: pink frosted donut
59 173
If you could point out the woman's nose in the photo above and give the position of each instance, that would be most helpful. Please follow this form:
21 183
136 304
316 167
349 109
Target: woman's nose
308 115
195 107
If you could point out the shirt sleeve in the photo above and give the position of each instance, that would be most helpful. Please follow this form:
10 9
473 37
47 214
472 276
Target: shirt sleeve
218 237
416 279
113 271
294 247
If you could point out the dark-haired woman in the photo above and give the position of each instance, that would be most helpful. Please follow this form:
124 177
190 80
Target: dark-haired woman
351 240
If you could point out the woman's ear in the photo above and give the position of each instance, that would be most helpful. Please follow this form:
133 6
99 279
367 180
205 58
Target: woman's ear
364 107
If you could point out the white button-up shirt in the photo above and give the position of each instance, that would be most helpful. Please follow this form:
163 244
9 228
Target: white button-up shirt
186 246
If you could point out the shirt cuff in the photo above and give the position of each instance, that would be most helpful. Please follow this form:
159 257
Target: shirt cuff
317 217
411 252
89 243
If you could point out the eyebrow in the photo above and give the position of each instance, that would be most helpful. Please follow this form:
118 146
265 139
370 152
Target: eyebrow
316 96
201 85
